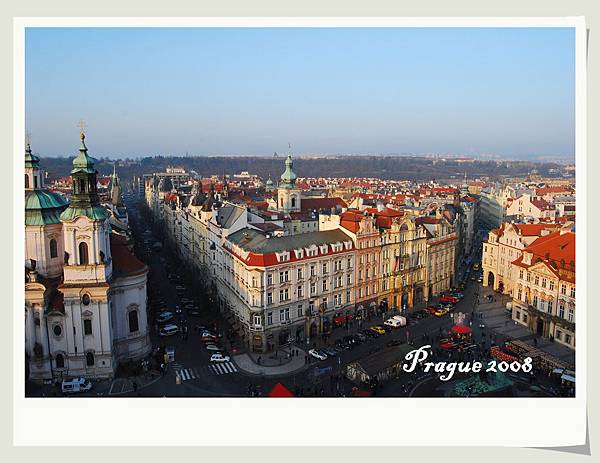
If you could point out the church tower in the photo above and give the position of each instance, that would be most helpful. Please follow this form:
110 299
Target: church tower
87 272
115 188
85 225
288 196
44 246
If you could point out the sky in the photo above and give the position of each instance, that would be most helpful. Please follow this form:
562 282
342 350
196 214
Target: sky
251 91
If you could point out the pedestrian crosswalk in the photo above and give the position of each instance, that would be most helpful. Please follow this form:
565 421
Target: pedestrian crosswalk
222 368
185 374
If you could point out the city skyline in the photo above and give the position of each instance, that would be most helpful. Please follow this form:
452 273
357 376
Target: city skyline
508 92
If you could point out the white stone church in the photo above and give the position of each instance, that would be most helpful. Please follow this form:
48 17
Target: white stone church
85 292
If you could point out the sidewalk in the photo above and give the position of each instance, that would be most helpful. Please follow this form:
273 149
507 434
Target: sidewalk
126 385
497 320
269 364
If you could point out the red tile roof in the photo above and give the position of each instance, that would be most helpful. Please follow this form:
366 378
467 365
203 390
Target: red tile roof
534 229
557 189
124 262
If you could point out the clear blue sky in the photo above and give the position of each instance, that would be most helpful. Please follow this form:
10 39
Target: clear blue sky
250 91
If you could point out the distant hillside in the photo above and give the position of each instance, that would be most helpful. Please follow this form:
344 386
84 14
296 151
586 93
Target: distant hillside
385 167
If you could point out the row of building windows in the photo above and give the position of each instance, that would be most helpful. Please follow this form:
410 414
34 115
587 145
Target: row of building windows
132 319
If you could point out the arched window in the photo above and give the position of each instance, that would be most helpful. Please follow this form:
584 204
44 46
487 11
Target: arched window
35 181
81 185
133 321
293 201
26 181
53 248
83 253
89 359
60 361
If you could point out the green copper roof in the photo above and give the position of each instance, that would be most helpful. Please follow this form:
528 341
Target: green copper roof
92 213
288 178
83 162
31 160
43 207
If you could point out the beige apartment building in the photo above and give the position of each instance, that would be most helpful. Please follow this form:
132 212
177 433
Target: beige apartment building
544 296
504 245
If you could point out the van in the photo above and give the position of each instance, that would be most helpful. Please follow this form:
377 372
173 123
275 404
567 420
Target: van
394 323
76 385
401 319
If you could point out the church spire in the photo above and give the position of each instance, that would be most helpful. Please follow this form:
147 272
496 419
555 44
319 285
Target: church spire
84 194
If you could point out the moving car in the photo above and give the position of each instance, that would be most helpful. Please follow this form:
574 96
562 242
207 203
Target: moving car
168 330
219 358
164 317
316 354
441 312
447 298
206 337
76 385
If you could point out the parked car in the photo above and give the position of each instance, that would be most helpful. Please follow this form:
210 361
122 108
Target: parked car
394 342
164 317
370 333
431 309
168 330
441 312
393 323
211 346
316 354
208 338
378 329
329 351
193 311
361 337
170 351
70 386
447 298
219 358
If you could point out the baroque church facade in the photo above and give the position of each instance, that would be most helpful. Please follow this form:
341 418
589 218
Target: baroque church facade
85 292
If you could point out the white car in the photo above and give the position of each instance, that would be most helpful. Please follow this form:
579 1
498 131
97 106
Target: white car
168 330
213 347
317 354
164 317
219 358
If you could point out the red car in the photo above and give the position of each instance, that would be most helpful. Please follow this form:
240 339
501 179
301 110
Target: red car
208 338
430 309
450 299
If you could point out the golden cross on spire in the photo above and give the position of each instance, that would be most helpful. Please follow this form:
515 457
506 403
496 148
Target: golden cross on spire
82 125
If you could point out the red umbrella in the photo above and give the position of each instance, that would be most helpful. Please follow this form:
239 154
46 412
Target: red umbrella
280 391
461 329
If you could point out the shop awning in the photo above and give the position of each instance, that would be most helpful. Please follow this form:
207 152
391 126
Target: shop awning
461 329
280 391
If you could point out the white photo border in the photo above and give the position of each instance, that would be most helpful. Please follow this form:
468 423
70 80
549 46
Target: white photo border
532 422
